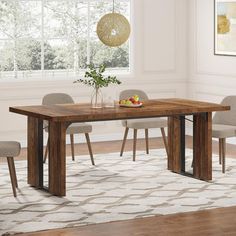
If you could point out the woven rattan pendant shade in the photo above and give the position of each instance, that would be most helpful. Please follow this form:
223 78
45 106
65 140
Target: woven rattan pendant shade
113 29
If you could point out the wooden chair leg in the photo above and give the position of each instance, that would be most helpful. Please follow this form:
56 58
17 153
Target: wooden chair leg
134 144
124 141
12 172
46 152
220 151
72 146
223 154
89 148
146 138
165 140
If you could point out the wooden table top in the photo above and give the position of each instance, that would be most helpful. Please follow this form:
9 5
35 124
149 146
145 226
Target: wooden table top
151 108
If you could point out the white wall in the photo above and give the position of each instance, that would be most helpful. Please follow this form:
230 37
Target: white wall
159 52
211 77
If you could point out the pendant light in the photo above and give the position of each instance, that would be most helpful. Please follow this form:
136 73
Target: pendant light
113 29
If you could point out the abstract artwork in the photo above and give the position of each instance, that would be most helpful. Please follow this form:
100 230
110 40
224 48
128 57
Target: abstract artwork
225 27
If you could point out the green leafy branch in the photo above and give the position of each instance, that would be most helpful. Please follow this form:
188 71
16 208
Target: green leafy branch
94 77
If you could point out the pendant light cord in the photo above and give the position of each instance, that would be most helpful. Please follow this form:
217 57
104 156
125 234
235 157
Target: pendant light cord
113 9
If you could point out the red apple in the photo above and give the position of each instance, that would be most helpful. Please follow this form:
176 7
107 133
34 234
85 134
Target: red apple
132 100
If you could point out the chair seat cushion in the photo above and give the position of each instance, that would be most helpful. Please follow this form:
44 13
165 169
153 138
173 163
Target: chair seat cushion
147 123
77 128
9 149
223 131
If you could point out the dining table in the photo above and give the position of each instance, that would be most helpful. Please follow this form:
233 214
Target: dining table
59 117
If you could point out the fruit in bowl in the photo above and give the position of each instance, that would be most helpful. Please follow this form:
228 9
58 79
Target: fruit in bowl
132 101
136 98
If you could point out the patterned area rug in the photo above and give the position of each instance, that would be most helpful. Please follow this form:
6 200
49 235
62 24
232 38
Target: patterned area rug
115 189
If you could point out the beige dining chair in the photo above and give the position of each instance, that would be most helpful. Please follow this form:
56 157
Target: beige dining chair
224 126
74 128
137 124
11 149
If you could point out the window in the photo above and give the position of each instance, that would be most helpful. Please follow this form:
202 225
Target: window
56 37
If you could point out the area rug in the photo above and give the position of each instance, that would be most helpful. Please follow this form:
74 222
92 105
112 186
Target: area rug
115 189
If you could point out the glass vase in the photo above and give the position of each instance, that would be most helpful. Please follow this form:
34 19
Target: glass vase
96 98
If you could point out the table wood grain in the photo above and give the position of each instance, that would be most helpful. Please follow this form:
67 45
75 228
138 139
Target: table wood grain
150 108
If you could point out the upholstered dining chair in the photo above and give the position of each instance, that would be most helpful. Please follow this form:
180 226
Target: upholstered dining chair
145 124
74 128
224 126
11 149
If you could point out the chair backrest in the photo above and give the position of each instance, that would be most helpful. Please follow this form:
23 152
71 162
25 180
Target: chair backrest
57 98
130 92
226 117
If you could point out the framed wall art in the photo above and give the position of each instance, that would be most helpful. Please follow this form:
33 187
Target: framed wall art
225 27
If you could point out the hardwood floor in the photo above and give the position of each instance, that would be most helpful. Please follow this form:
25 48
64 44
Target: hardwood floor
217 222
115 146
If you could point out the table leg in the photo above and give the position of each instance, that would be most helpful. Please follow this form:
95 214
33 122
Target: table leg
176 144
57 158
182 142
202 146
35 152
